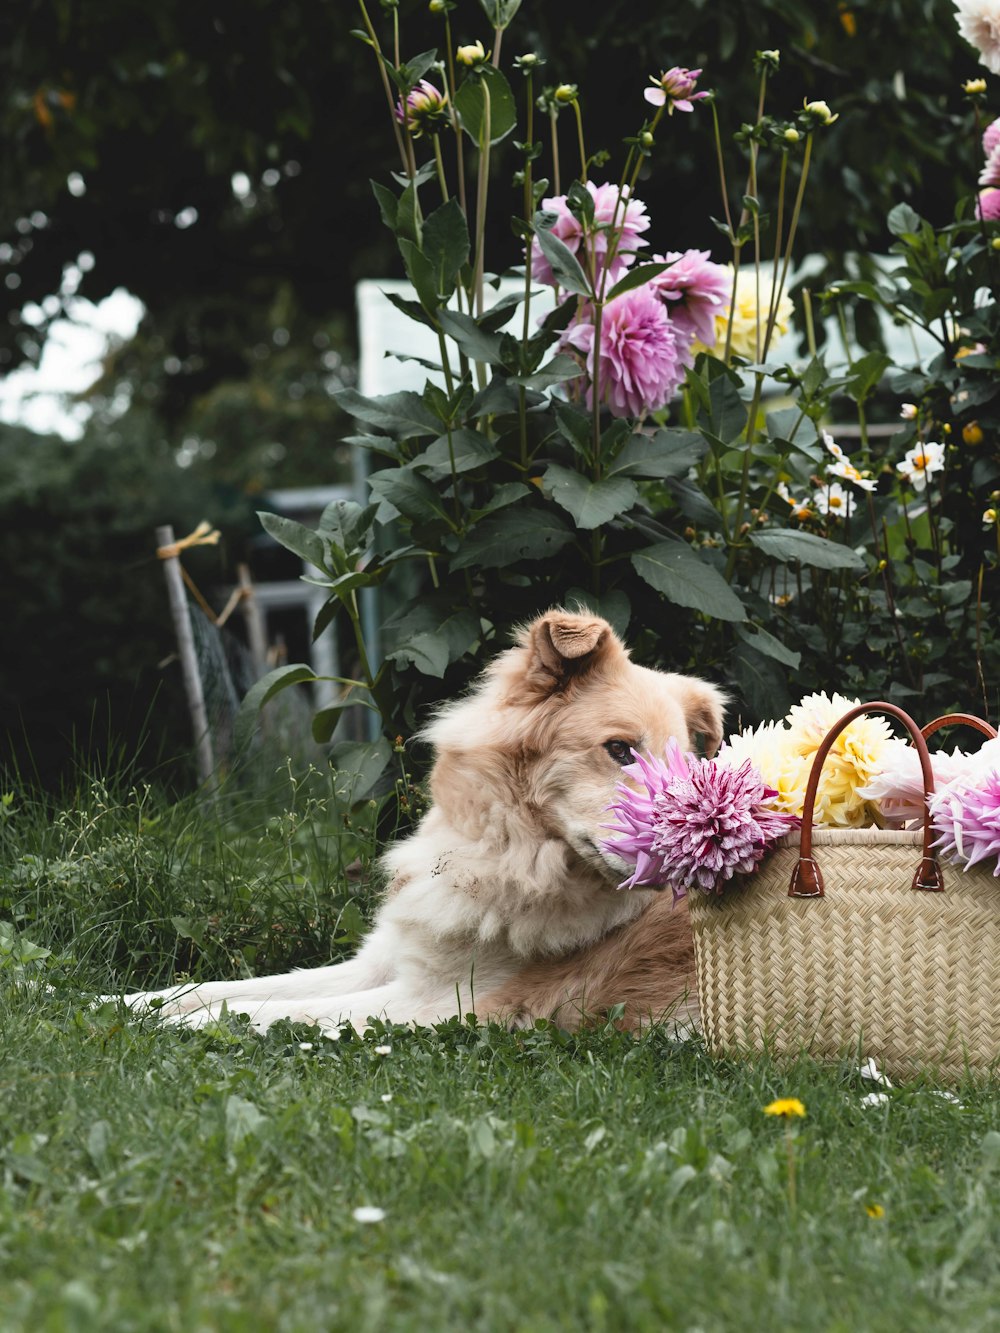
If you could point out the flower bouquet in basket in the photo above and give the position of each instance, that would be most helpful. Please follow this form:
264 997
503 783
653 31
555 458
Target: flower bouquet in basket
842 884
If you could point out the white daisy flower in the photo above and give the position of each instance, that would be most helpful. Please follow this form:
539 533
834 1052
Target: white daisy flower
921 462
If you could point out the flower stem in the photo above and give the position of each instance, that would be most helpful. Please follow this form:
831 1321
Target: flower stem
385 83
579 138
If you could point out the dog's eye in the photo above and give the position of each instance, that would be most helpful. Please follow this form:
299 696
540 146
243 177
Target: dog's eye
620 751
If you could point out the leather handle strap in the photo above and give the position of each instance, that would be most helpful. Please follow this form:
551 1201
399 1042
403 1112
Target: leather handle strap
959 720
807 879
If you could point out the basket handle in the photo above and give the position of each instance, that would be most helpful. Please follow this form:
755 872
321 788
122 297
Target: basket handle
807 879
959 720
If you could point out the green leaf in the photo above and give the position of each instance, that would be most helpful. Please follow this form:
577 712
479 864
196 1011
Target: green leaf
556 371
574 426
470 102
685 579
358 765
264 689
502 497
865 375
473 341
470 449
635 277
564 264
446 245
411 494
388 204
904 222
347 524
791 544
727 412
433 635
764 642
671 452
513 534
403 415
591 503
295 537
500 12
421 274
692 501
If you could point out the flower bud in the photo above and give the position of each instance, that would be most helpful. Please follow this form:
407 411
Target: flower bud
972 86
528 61
566 93
792 135
989 516
473 54
972 433
819 112
438 6
995 243
646 139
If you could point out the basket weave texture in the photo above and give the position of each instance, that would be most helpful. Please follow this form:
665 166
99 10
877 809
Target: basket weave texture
869 965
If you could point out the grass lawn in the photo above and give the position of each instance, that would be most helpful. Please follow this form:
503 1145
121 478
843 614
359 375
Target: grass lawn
157 1179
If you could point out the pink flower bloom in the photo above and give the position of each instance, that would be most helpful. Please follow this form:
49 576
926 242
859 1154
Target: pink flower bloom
689 822
898 786
676 87
642 359
979 23
630 220
990 174
991 137
988 205
968 819
697 288
425 111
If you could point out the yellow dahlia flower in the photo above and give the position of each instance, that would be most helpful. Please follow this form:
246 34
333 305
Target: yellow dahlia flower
744 314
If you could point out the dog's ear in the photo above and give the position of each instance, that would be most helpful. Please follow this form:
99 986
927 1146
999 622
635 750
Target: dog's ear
704 708
562 647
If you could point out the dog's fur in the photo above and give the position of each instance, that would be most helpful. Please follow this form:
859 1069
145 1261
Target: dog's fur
502 902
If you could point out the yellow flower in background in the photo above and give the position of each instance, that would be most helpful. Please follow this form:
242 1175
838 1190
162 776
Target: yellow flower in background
785 1106
875 1210
744 315
783 753
779 764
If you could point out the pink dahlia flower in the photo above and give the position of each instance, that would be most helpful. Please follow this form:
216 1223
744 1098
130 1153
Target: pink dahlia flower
991 137
968 820
988 205
630 220
642 359
690 822
697 290
990 174
676 88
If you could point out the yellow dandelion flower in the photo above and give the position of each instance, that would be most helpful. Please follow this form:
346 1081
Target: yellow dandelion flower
875 1210
785 1106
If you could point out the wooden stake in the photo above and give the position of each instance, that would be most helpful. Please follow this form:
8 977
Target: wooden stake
189 661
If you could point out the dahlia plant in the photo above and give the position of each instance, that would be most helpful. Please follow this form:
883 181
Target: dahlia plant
599 424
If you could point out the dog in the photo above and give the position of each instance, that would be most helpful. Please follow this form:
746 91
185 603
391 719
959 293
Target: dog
504 902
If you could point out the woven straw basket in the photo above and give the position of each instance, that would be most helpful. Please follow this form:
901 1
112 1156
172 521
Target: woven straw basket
870 947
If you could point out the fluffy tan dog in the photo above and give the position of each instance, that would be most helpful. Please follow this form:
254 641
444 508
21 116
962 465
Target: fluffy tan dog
502 902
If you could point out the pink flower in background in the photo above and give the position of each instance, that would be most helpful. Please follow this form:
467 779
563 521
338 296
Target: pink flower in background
676 88
991 137
697 290
990 174
630 220
692 823
979 23
642 359
968 819
988 205
898 786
